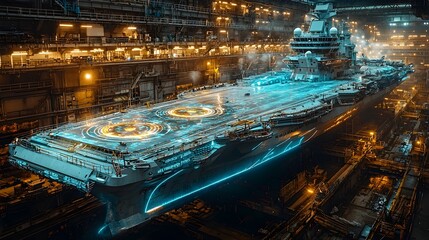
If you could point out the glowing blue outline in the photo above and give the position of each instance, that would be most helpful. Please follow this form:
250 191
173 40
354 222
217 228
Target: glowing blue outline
257 163
287 146
157 186
256 146
101 229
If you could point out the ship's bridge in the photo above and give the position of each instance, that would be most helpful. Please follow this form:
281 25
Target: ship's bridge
318 39
321 37
318 44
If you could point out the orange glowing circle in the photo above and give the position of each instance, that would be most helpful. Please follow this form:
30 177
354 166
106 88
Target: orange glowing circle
191 112
131 130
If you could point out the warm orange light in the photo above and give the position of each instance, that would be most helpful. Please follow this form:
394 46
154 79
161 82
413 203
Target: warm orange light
154 209
88 76
19 53
66 25
95 50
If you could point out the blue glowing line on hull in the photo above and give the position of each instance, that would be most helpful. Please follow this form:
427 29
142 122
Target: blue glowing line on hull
157 186
287 146
257 163
101 229
256 146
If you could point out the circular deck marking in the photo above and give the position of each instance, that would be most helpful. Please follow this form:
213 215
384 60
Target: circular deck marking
131 130
190 112
128 131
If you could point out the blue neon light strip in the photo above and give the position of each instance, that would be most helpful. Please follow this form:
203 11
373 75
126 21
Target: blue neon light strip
101 229
256 146
157 186
257 163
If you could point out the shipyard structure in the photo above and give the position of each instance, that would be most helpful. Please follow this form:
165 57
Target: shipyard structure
148 105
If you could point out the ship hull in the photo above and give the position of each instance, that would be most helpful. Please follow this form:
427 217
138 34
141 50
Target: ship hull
136 203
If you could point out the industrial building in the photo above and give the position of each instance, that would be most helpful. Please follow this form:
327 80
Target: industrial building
195 119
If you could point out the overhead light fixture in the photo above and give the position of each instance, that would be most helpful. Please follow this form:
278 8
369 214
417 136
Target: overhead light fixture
132 28
66 25
95 50
19 53
86 26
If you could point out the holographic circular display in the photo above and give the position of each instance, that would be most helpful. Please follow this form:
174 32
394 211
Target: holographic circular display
129 131
190 112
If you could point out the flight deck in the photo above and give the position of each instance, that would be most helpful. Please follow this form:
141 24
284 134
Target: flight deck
198 115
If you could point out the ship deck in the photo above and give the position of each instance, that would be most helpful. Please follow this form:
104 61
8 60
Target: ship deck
195 118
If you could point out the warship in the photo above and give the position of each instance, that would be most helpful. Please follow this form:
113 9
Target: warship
144 161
